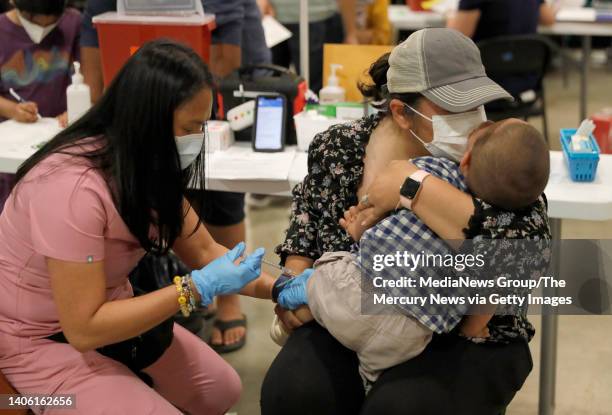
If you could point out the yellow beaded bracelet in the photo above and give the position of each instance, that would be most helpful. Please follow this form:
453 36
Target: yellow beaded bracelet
182 298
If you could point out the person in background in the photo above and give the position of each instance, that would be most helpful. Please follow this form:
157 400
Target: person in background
39 42
329 22
237 40
486 19
373 26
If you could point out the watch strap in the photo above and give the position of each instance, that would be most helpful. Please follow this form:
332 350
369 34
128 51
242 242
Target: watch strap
417 176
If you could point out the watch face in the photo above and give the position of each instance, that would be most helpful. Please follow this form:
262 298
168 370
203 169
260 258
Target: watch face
410 188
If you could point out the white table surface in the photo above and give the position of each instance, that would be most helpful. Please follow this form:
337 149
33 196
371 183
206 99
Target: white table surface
402 18
577 29
567 199
572 200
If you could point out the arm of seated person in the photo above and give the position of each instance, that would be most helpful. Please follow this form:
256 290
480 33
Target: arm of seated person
196 248
465 21
89 320
445 209
26 112
548 14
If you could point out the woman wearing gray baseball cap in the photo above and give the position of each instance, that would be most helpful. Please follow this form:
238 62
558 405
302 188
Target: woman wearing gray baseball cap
430 89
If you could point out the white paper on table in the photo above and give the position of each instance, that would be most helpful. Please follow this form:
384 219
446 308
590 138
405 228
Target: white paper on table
21 139
445 6
576 14
274 32
242 163
299 170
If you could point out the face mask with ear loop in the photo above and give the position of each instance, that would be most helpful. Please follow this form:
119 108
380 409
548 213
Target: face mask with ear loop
189 148
451 132
36 32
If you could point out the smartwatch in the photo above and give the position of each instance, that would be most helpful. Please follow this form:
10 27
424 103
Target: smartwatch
410 189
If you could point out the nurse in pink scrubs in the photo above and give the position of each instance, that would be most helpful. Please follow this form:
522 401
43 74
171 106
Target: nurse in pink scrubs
85 209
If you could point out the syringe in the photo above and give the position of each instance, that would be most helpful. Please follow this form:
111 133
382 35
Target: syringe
282 269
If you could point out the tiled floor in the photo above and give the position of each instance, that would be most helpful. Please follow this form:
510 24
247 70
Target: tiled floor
584 379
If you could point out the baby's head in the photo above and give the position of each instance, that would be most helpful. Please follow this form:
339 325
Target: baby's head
507 164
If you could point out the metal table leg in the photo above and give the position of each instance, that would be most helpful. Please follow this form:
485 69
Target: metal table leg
586 54
304 42
548 350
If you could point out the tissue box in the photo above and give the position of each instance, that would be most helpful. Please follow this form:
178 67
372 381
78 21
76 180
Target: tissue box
220 136
582 165
603 131
308 124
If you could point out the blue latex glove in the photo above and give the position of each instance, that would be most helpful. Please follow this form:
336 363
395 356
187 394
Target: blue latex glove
293 294
222 276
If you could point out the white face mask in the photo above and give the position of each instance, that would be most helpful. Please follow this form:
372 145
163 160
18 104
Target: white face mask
189 148
451 132
36 32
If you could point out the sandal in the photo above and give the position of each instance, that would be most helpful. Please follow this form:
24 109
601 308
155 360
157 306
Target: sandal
208 312
224 326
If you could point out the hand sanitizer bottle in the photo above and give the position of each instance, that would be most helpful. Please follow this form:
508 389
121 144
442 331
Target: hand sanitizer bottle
333 93
78 94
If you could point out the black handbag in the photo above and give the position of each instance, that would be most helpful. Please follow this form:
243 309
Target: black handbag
249 81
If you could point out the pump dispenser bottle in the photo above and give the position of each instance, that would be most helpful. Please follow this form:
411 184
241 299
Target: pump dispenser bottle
78 95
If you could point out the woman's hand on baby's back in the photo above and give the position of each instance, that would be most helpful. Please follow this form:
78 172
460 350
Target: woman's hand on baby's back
383 194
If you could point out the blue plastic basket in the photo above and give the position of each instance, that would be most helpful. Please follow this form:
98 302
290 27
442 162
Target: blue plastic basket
582 165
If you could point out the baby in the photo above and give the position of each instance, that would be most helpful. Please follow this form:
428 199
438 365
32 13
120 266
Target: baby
506 165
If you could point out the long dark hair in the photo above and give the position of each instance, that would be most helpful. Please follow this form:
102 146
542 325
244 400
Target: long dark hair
131 130
45 7
377 90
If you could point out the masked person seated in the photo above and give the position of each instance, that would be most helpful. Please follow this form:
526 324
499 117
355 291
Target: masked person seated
506 165
439 73
84 211
40 41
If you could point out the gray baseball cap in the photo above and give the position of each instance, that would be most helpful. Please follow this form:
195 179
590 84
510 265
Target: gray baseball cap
445 66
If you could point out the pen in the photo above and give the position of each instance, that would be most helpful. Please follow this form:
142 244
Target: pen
20 100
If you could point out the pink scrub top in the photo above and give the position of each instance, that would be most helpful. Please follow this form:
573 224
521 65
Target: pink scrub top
62 209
